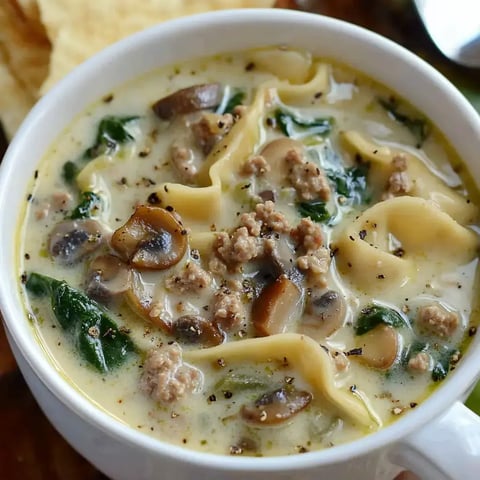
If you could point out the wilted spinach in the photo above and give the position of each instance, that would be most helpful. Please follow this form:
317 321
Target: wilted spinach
90 203
294 126
95 336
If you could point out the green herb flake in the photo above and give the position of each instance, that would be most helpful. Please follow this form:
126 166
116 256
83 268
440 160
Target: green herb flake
293 126
70 172
236 99
111 133
89 205
418 127
442 364
316 210
351 182
236 382
374 315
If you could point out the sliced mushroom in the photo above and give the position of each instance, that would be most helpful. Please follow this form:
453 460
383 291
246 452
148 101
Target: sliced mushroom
324 315
275 153
151 239
276 407
379 347
188 100
107 277
194 329
275 307
140 298
71 240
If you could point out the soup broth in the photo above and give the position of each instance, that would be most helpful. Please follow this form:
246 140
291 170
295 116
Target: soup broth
260 253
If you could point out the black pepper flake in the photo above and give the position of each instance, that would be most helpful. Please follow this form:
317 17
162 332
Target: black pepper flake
270 122
349 265
144 153
169 208
35 174
29 197
380 276
247 185
221 362
27 256
413 404
351 238
165 188
358 158
108 98
289 380
153 199
23 278
472 331
212 398
362 234
375 151
318 94
399 252
302 449
235 450
333 251
183 232
353 388
227 394
354 351
249 66
184 440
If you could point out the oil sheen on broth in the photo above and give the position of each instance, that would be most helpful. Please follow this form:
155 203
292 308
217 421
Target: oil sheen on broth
280 256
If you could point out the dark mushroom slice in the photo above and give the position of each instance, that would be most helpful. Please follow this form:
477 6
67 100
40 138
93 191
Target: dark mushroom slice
188 100
151 239
194 329
324 315
379 346
275 307
107 277
72 240
276 407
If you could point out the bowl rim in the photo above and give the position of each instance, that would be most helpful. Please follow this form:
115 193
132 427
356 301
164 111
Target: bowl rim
438 402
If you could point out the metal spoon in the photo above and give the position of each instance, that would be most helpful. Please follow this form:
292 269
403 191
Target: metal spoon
454 26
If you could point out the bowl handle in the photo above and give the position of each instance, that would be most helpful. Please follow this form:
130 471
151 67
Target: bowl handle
445 449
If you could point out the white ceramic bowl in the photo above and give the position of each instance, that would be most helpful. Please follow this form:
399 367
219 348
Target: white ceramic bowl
440 439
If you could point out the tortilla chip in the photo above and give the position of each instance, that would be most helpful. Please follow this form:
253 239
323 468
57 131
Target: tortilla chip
15 100
26 50
77 30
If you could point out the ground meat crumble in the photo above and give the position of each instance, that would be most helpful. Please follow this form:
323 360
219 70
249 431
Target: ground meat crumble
182 159
436 320
210 129
256 165
420 362
193 278
228 309
307 179
165 377
399 182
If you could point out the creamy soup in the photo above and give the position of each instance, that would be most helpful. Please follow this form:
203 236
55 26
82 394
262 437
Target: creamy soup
260 253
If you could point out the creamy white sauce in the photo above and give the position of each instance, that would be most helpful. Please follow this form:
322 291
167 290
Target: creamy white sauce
128 178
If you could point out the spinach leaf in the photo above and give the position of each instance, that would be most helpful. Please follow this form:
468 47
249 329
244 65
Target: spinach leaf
351 182
111 134
316 210
442 364
95 336
90 203
418 127
69 172
237 98
374 315
291 125
236 382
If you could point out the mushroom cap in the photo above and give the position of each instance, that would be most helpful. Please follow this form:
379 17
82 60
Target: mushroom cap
72 240
151 239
